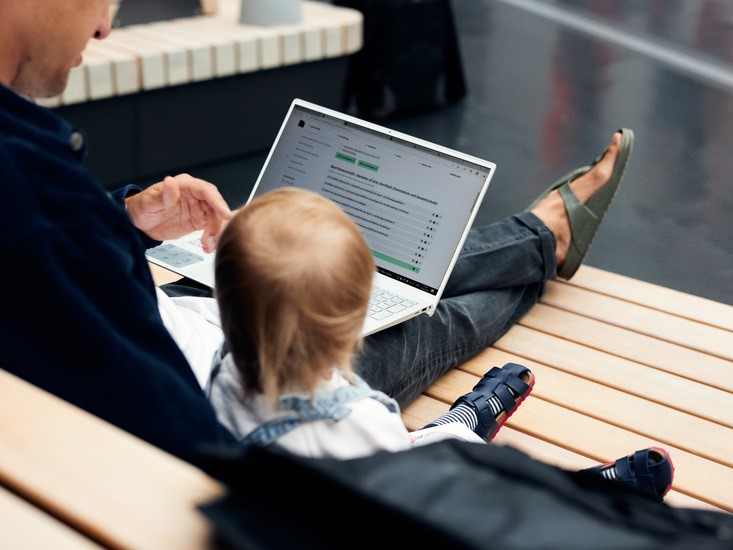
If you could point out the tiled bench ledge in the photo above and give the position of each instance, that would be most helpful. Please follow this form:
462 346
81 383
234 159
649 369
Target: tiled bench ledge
181 51
178 95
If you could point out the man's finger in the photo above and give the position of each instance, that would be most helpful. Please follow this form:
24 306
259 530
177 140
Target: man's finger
170 195
209 194
211 231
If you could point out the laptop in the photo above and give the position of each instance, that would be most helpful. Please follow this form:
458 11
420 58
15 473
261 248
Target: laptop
414 201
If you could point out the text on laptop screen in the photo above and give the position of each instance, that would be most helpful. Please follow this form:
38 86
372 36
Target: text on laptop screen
411 203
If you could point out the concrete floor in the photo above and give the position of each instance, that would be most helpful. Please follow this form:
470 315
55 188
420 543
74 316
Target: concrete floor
549 82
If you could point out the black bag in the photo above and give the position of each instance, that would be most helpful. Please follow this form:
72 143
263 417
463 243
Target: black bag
450 494
409 62
136 12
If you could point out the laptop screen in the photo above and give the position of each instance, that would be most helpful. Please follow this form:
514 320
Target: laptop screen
412 200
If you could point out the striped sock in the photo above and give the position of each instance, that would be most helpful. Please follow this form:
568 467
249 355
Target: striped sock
495 404
463 413
466 414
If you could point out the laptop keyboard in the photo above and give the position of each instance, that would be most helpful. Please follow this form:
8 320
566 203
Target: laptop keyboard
384 303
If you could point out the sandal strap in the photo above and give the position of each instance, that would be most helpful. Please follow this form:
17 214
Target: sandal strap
497 381
580 217
641 463
637 473
501 382
641 473
511 375
628 471
485 416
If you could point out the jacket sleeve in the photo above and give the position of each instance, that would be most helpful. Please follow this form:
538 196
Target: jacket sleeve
119 196
97 340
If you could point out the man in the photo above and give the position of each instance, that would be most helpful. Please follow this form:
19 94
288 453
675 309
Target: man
98 339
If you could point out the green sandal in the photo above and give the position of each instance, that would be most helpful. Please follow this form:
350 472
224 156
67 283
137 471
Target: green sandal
586 218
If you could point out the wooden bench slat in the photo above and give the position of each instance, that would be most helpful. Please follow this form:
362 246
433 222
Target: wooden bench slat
225 44
667 356
100 480
421 411
25 526
650 383
694 335
123 65
247 40
654 296
176 67
151 62
347 31
162 276
198 50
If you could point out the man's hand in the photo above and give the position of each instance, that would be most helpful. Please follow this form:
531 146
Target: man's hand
177 206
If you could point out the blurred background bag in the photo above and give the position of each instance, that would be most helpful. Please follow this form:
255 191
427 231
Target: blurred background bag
410 61
136 12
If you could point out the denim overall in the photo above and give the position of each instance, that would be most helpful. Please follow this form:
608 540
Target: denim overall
330 406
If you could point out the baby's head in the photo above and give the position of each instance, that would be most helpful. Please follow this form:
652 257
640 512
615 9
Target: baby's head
293 280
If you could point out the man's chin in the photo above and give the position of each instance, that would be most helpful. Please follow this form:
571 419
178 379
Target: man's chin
33 86
51 90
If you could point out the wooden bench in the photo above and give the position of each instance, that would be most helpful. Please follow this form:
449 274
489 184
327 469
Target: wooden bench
620 365
25 526
81 472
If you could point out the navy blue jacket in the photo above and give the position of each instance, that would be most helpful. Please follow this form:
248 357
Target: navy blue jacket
79 314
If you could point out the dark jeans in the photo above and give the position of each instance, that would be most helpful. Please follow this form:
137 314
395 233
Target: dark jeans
499 276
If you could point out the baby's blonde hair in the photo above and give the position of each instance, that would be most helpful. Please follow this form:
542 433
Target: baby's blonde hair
293 280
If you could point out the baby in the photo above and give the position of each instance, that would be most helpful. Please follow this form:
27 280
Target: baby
293 282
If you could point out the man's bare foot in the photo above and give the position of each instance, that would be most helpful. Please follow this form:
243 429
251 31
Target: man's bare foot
551 209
